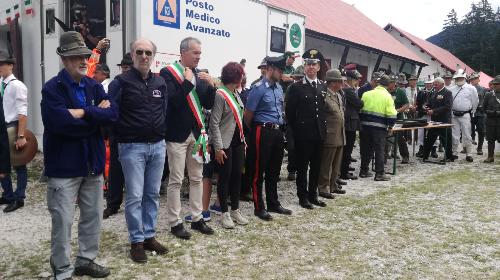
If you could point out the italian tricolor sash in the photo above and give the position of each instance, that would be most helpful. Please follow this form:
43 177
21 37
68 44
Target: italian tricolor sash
200 152
235 108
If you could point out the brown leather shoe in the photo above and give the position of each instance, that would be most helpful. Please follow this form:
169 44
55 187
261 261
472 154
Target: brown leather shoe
137 253
150 244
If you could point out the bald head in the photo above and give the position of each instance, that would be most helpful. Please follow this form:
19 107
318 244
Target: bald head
143 52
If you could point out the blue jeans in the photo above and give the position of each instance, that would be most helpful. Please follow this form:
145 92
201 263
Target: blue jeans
22 182
142 165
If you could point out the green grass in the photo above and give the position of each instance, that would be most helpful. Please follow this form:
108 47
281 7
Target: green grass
445 227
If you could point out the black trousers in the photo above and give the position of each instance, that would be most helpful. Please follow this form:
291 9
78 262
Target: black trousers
308 157
116 182
265 153
372 140
350 139
229 182
432 135
479 125
292 158
401 145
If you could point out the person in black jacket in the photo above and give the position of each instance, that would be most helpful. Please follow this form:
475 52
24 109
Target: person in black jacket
141 98
439 109
352 107
4 145
305 112
185 128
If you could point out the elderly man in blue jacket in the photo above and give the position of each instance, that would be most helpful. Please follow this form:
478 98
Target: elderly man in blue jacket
74 108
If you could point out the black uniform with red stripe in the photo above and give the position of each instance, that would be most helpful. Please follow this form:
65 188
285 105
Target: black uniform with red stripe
266 145
305 112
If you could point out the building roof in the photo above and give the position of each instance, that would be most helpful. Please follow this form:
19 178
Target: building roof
343 21
484 79
447 59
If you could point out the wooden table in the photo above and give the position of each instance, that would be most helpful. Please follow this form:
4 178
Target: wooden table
397 129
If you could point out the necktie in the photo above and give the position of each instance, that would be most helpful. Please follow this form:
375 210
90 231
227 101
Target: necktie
2 89
313 84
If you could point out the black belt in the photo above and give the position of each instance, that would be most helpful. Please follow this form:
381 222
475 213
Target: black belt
269 125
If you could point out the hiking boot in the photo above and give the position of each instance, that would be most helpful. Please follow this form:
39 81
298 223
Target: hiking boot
469 159
382 177
150 244
137 253
463 151
238 218
91 269
365 174
489 160
226 221
479 152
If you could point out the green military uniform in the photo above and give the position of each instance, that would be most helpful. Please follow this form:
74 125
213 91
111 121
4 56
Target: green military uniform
400 99
491 107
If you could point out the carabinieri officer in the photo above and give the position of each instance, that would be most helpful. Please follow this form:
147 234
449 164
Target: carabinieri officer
264 115
305 112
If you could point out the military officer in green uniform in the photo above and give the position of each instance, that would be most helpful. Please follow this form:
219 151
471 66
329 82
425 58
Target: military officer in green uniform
491 107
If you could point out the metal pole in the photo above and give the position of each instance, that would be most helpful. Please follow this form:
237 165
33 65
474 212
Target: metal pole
42 44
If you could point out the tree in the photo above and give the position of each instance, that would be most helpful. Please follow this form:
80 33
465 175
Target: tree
476 38
451 19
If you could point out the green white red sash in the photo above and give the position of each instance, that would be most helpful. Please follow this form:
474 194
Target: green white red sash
235 108
200 152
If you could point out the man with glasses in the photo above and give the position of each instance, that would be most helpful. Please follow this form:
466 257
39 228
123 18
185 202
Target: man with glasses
74 108
305 112
186 134
141 98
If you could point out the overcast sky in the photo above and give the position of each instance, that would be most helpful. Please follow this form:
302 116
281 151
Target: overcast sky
422 18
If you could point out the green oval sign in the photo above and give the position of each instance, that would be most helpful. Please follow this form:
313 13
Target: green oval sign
295 35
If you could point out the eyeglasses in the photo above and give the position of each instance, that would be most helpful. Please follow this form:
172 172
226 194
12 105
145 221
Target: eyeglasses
141 52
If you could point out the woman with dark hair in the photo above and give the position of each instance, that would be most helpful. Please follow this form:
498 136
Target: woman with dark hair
226 137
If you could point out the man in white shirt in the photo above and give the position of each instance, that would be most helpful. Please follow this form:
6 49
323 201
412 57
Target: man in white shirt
15 106
465 102
101 75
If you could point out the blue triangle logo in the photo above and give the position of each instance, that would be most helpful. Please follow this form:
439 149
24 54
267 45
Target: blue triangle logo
166 11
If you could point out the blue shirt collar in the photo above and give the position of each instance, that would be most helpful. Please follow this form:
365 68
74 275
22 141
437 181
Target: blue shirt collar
69 80
268 83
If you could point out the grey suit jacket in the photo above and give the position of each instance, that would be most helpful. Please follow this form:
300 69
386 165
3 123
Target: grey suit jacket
222 123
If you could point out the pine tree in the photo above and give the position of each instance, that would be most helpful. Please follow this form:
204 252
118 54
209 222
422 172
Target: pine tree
451 19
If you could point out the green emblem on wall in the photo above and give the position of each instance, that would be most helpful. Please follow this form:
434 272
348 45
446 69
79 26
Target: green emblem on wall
295 35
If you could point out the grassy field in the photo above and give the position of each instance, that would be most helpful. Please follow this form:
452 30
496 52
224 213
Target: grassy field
444 226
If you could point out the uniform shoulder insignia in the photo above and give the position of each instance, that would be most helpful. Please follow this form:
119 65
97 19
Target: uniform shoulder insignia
258 84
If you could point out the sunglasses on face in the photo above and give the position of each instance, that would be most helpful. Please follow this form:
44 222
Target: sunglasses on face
141 52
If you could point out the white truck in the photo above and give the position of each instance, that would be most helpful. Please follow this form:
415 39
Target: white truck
230 30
